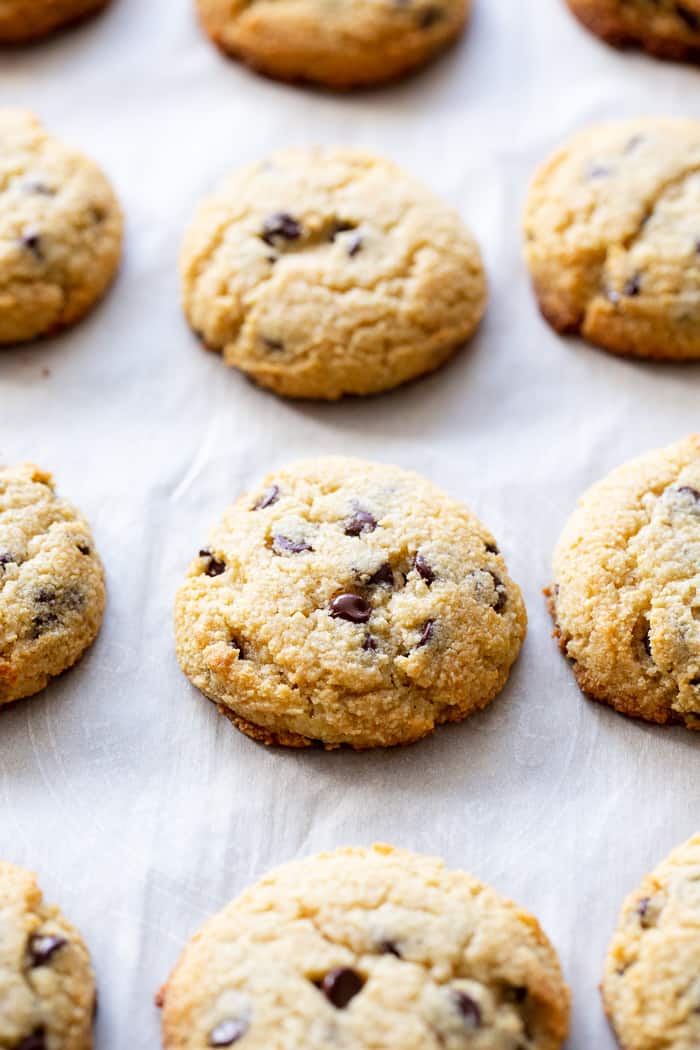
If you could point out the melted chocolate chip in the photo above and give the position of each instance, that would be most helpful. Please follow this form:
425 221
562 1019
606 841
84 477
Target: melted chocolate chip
384 576
228 1032
389 948
214 566
370 643
35 1041
361 521
268 498
32 242
354 244
633 286
280 225
688 490
423 568
492 548
275 345
351 607
83 548
43 947
469 1009
283 545
342 985
426 634
691 19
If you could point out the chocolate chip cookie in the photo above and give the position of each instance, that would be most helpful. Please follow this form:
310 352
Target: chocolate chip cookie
651 986
666 28
325 272
346 602
52 591
626 596
25 20
47 988
354 44
60 231
369 949
612 229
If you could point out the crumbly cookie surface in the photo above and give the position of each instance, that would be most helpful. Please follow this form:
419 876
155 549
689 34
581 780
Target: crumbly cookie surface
47 988
651 986
626 599
610 237
60 231
368 949
358 43
25 20
348 602
52 591
325 272
666 28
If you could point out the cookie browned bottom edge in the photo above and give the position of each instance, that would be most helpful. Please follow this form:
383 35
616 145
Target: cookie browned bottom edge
613 32
32 37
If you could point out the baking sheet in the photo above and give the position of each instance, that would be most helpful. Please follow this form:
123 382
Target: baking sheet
141 809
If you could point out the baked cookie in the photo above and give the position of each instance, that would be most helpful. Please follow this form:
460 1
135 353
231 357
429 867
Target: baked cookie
346 602
60 231
626 596
324 272
47 987
355 44
367 949
666 28
612 230
52 591
25 20
651 986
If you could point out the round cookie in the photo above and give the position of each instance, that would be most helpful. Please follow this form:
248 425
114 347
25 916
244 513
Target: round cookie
60 231
25 20
346 602
626 596
651 986
47 987
325 272
665 28
355 44
52 591
367 949
611 227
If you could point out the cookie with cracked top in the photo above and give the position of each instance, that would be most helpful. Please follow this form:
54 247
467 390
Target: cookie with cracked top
612 237
665 28
369 949
324 272
60 231
47 987
626 594
650 986
355 604
349 45
52 590
22 21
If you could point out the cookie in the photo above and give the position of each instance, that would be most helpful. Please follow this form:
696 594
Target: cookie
612 230
325 272
665 28
25 20
355 44
651 987
47 987
626 596
346 602
367 949
60 231
52 590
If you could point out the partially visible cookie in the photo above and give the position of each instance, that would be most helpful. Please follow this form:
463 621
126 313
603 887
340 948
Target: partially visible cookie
346 602
60 231
354 44
25 20
612 237
47 987
665 28
367 949
52 591
626 595
651 986
323 272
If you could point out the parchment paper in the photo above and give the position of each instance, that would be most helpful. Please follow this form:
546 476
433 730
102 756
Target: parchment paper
141 809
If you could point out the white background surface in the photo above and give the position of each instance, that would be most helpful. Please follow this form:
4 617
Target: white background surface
142 810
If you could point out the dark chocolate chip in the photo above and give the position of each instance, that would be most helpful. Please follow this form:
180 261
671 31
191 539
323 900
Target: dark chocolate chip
272 344
354 244
646 642
469 1009
515 993
370 644
282 225
268 498
389 948
83 548
45 595
430 16
35 1041
633 286
351 607
492 548
214 566
695 682
361 521
691 19
228 1032
6 558
282 544
426 634
501 593
43 947
43 622
384 576
32 242
341 985
423 568
688 490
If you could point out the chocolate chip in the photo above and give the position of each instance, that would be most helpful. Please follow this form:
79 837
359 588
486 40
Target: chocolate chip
430 16
6 558
688 490
214 566
501 593
282 225
492 548
423 568
268 498
272 344
228 1032
469 1009
83 548
342 985
35 1041
515 993
695 682
43 947
633 286
646 642
370 643
384 576
43 622
236 643
389 948
351 607
426 634
361 521
32 242
354 244
45 595
282 544
691 19
643 907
